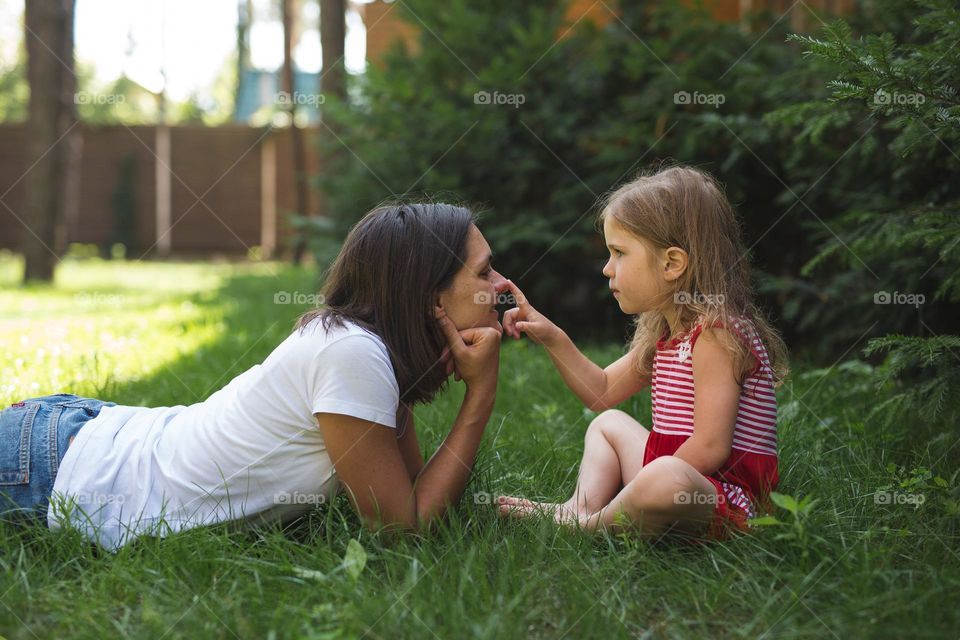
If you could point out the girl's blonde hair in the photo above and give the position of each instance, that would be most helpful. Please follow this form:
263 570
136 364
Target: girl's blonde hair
685 207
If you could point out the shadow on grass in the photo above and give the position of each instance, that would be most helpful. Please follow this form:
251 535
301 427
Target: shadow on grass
252 326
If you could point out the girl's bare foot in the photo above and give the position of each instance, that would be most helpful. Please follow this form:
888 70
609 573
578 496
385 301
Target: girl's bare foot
561 512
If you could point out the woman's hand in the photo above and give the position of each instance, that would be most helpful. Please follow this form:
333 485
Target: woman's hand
446 358
525 319
475 353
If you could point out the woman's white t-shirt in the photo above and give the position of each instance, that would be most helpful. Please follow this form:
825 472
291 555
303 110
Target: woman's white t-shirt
251 451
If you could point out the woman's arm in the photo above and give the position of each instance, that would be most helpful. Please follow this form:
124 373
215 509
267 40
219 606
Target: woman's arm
597 388
407 441
368 458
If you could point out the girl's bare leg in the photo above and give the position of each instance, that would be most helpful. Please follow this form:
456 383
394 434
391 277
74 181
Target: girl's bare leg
667 496
612 457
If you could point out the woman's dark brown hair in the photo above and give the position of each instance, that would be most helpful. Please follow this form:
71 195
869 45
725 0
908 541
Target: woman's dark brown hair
386 278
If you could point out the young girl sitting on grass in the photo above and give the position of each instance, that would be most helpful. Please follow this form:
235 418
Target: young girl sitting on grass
710 461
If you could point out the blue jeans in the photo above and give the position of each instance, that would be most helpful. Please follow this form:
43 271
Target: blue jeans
34 436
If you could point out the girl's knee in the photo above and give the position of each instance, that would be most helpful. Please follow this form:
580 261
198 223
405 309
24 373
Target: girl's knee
614 421
668 485
600 424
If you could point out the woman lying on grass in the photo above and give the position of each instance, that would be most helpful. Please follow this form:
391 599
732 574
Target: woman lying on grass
712 362
409 301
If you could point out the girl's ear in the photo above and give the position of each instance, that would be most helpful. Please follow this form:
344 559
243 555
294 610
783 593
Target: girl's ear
674 263
438 309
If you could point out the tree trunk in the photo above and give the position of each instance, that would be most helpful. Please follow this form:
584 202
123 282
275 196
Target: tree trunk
333 84
51 118
333 35
301 188
244 21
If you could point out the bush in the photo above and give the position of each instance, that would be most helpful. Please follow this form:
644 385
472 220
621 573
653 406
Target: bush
497 109
576 116
896 246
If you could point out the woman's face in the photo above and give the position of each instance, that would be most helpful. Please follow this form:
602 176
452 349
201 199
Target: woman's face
471 299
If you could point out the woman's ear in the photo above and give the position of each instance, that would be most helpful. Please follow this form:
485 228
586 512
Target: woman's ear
438 309
675 263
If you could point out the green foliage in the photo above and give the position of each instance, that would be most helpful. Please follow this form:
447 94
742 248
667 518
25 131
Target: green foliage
902 239
919 378
797 530
533 129
14 91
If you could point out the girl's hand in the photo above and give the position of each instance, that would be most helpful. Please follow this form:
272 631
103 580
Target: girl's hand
475 352
525 319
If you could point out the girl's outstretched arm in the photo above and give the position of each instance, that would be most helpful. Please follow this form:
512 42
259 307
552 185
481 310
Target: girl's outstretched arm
597 388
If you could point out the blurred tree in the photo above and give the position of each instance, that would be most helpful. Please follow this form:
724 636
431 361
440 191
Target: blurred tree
533 118
14 91
49 43
287 87
333 34
244 22
124 100
333 84
893 254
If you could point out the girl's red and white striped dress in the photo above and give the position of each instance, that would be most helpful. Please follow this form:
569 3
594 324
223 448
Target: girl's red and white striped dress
745 480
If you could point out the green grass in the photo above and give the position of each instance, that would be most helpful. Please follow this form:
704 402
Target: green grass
161 334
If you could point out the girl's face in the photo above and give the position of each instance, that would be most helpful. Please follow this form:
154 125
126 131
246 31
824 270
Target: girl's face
472 297
640 277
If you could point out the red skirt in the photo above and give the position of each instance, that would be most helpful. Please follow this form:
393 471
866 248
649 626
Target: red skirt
743 484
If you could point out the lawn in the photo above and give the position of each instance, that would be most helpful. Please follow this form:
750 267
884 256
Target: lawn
865 558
